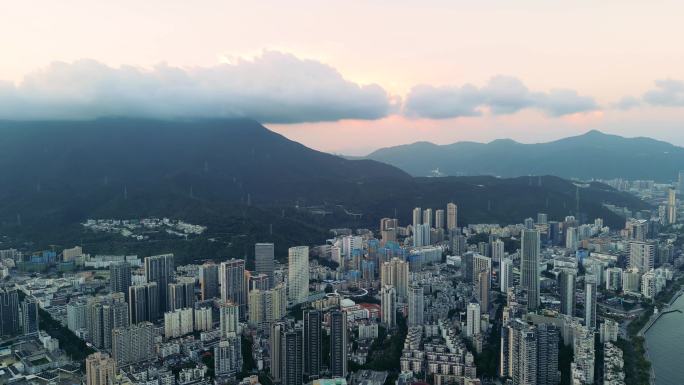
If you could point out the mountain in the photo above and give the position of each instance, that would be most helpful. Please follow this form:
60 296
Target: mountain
593 155
241 180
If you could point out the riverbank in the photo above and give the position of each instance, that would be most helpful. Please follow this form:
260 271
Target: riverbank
664 301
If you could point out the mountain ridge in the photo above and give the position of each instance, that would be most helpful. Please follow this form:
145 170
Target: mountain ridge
241 180
591 155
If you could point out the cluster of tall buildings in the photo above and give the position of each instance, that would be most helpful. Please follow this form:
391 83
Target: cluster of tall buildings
17 317
297 347
529 353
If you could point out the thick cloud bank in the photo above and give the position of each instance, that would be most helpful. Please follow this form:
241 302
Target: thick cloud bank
272 88
502 95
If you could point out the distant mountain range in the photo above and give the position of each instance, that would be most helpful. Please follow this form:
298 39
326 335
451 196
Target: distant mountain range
244 182
588 156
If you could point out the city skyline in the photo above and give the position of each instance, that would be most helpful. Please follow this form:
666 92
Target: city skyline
341 193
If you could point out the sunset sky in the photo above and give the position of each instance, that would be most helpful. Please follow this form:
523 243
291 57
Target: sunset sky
352 76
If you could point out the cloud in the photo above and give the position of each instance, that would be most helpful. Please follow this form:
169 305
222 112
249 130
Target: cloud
274 87
668 92
442 102
502 95
627 103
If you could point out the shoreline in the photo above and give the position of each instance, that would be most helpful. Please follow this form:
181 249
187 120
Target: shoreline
652 320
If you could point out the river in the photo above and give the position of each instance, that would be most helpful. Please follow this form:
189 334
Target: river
665 342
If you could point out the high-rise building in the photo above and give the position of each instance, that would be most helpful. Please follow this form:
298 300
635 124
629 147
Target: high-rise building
278 329
519 353
671 207
421 235
506 274
178 323
100 369
648 285
29 315
528 356
590 302
204 319
452 216
548 338
637 229
298 274
264 260
388 229
473 325
642 256
416 307
160 269
529 266
427 217
313 343
529 223
228 357
467 266
482 289
609 331
680 182
571 238
338 344
229 319
388 300
479 263
133 344
181 294
613 278
287 356
143 303
395 273
9 311
105 314
498 250
267 306
259 282
630 280
76 315
209 280
120 277
542 218
292 357
459 243
417 217
439 219
233 284
567 291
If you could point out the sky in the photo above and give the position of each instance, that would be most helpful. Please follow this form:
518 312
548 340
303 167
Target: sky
353 76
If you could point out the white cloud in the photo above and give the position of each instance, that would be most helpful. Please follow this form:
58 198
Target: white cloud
271 88
501 95
668 92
